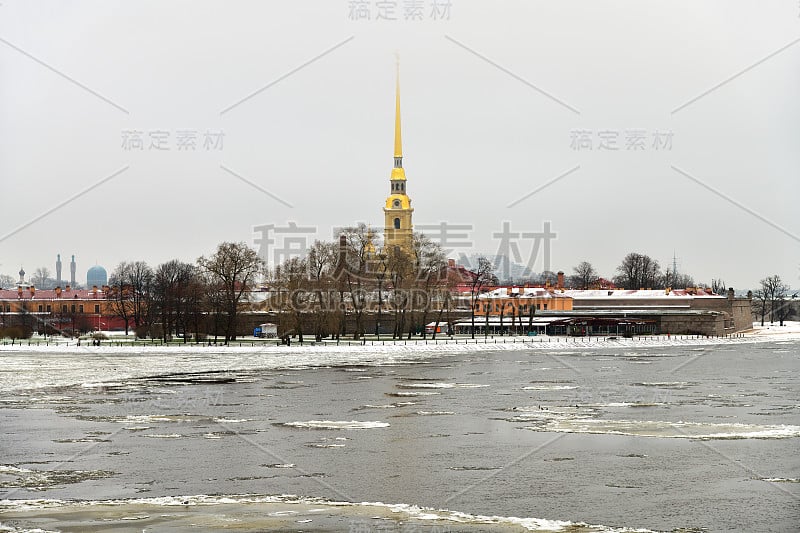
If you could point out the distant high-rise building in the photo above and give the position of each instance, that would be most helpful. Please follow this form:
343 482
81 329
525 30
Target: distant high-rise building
58 270
72 268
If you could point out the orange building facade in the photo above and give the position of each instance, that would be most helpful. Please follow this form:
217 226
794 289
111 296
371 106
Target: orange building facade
521 301
58 309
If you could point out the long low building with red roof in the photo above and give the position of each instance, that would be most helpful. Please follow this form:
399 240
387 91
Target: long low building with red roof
58 310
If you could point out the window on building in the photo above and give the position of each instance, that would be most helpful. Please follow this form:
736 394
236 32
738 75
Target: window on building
97 309
72 308
80 309
397 223
538 306
49 308
545 307
40 308
64 308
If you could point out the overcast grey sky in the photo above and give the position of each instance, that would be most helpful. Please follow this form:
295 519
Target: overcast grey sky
290 106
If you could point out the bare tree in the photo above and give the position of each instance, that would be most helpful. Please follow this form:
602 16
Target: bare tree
359 258
638 271
196 302
444 300
786 309
718 286
41 278
777 291
130 292
675 280
214 302
321 265
234 266
6 281
760 303
779 306
430 274
547 277
771 291
482 276
585 275
292 281
400 274
171 284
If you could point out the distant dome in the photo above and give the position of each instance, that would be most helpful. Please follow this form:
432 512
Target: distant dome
96 275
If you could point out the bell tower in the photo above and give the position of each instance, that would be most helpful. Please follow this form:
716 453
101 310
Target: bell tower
398 227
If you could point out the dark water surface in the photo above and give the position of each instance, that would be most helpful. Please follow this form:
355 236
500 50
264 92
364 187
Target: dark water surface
701 438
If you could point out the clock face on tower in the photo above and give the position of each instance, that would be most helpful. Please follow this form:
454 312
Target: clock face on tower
396 203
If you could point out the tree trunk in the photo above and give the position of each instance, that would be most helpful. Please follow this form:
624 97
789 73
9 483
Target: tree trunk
486 325
472 316
530 317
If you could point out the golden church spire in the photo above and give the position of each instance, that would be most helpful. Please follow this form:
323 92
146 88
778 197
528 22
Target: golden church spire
398 141
398 231
397 172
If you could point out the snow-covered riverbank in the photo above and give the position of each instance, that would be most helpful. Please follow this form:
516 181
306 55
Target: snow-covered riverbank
789 332
37 367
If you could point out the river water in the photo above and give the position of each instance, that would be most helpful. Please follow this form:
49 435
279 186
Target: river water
670 438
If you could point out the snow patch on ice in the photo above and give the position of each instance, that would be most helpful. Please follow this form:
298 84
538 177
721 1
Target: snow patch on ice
334 424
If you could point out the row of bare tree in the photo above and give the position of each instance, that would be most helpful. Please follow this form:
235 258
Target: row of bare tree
637 271
772 299
331 290
337 284
328 292
182 298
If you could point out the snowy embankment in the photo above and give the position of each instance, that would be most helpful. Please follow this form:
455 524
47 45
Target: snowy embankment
463 344
37 367
773 332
